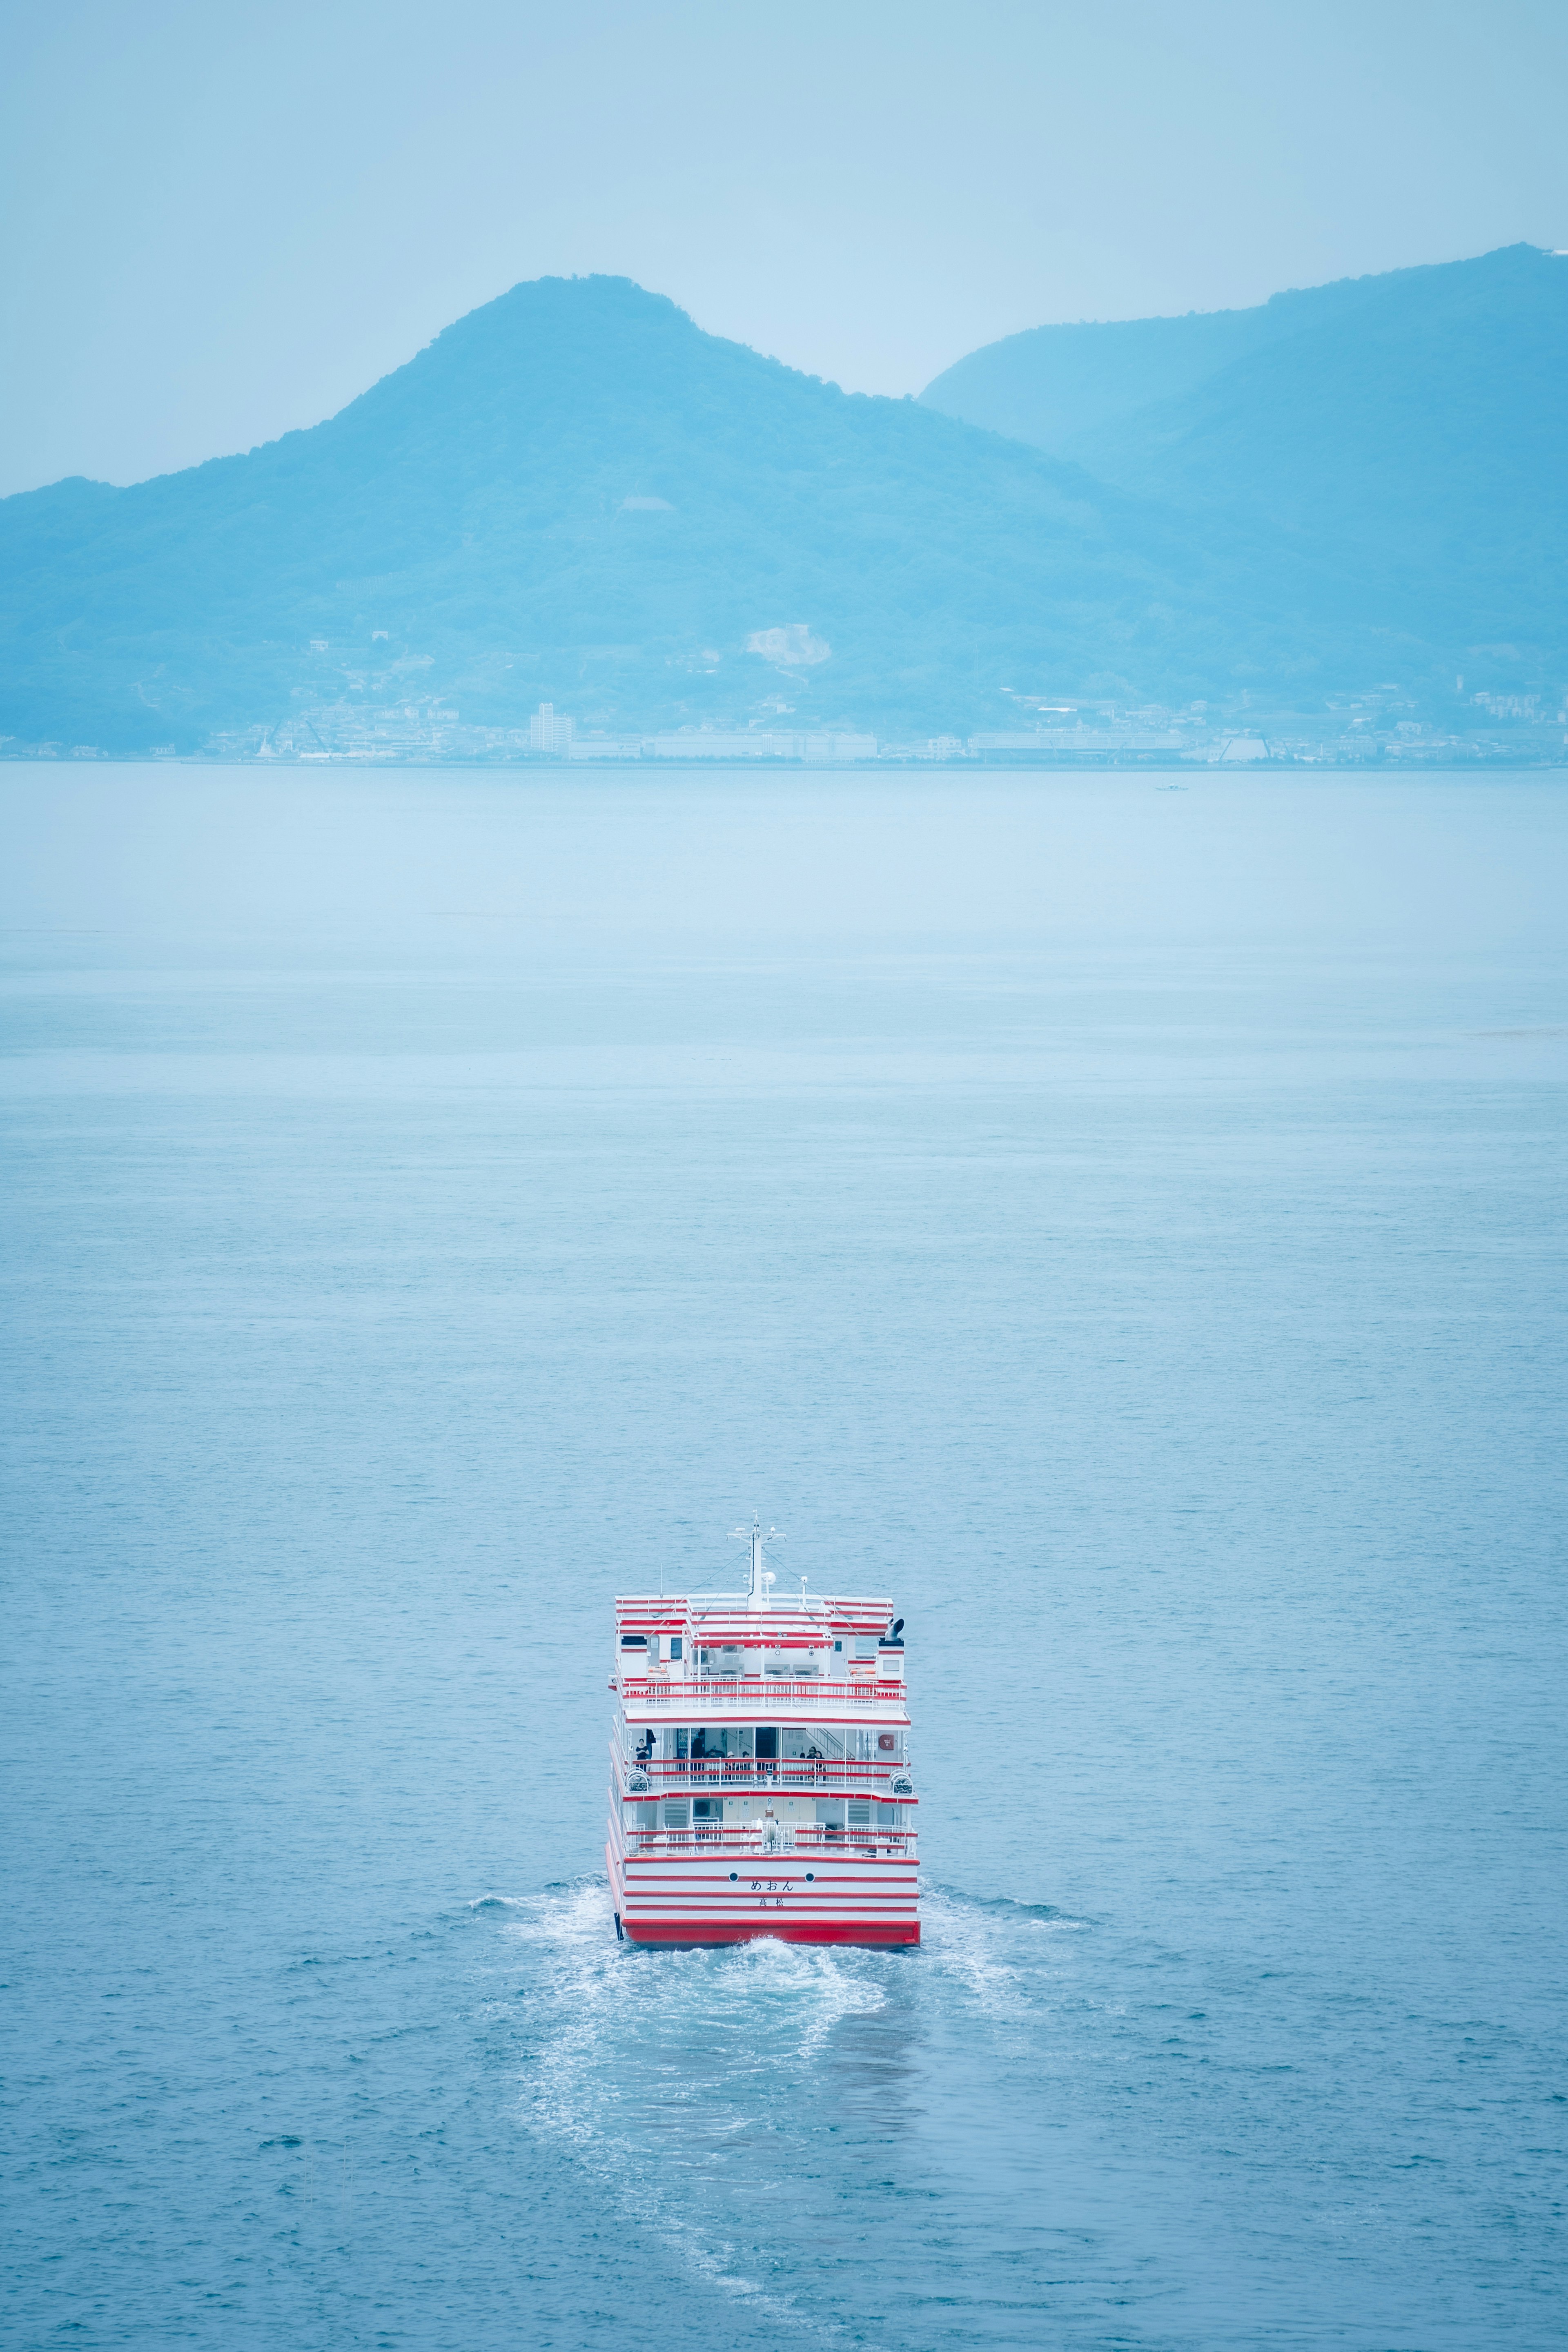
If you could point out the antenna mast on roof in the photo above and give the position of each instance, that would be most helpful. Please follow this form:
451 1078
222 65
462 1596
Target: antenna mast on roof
762 1577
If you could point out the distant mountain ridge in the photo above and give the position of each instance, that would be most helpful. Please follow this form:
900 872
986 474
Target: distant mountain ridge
1406 432
575 494
1048 385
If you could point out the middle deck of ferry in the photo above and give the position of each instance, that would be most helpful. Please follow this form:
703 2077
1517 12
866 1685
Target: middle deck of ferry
728 1717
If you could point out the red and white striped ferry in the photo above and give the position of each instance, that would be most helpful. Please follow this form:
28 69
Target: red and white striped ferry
760 1778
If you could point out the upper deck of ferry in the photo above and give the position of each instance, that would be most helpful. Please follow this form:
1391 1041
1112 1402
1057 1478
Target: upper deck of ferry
818 1658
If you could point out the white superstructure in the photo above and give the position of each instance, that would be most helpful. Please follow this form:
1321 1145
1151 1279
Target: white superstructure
760 1783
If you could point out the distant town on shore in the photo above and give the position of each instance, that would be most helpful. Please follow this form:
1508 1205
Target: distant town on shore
1508 729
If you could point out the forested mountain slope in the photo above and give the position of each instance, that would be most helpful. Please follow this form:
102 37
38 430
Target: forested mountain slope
1407 435
576 493
1049 384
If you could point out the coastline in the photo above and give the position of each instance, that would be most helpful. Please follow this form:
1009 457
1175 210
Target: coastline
884 764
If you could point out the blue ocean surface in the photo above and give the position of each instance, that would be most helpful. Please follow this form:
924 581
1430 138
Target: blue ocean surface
1121 1217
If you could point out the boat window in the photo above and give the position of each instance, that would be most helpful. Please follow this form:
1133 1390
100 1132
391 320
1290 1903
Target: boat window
887 1816
707 1809
675 1647
682 1740
830 1813
767 1740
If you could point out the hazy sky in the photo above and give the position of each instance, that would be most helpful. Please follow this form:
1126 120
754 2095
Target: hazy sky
221 221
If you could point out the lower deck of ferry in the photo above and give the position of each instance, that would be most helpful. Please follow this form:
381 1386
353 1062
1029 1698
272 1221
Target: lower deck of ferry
694 1898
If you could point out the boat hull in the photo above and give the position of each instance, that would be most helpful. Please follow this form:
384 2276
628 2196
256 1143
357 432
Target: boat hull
855 1899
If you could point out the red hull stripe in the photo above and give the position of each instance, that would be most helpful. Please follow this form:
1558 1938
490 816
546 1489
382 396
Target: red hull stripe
646 1873
804 1931
734 1889
829 1898
772 1906
745 1910
737 1906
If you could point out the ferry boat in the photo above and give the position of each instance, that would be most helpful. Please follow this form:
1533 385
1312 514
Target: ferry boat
759 1781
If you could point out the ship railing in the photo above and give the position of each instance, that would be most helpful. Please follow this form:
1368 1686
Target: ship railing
806 1838
766 1771
729 1691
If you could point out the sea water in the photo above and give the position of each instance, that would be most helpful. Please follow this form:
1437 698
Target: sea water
1121 1217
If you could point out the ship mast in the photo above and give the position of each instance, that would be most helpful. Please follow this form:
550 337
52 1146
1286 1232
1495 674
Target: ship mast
762 1578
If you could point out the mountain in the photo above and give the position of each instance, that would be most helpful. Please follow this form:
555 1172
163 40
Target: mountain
574 494
1049 384
1406 434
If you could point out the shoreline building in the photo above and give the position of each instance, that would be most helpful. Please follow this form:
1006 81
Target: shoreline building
547 732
